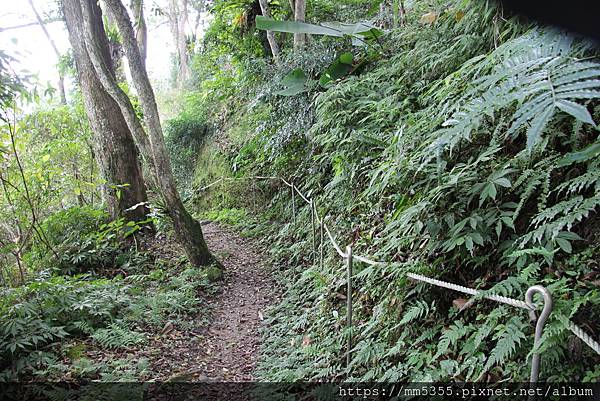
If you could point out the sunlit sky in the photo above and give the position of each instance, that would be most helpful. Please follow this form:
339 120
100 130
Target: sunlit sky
34 54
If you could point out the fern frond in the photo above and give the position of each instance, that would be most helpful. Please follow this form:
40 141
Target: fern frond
418 311
509 338
580 183
451 336
539 76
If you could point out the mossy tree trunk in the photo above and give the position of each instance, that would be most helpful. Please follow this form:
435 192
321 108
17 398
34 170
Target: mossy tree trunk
114 147
188 231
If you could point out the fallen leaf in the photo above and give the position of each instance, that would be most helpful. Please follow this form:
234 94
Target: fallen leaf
167 328
429 18
459 303
306 341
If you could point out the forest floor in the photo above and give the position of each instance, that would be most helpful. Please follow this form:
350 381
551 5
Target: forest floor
227 348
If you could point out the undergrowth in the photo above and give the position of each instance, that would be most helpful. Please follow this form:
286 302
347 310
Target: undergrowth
96 294
466 150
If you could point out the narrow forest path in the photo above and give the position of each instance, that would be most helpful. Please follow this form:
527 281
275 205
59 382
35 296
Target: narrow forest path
230 346
223 345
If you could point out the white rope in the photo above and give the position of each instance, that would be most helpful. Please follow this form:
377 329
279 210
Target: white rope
255 177
287 183
301 195
367 261
332 240
210 185
465 290
586 338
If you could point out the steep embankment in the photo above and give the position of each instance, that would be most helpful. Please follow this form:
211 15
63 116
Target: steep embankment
464 149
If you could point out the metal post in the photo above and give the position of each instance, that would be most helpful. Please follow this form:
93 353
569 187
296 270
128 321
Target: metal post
321 238
223 194
349 302
539 326
314 234
293 203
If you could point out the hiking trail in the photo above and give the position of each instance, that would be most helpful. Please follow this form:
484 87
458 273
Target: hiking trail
226 348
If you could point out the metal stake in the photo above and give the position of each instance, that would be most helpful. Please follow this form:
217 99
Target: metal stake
349 302
223 194
314 235
322 245
293 204
539 326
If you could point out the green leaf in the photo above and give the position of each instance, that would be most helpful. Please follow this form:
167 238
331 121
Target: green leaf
503 182
360 29
469 244
537 126
336 29
339 69
576 110
570 236
477 238
583 155
564 245
295 83
489 191
346 58
269 24
492 191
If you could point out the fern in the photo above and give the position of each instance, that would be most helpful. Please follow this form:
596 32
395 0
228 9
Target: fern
117 336
539 76
418 311
580 183
552 221
509 337
451 336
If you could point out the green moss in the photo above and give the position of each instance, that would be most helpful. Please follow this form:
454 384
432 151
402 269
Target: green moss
214 274
75 351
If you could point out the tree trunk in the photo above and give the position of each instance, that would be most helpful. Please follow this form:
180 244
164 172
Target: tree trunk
177 22
187 229
115 48
141 29
299 16
61 77
266 12
113 145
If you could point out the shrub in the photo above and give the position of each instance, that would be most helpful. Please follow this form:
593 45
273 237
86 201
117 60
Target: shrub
82 240
36 316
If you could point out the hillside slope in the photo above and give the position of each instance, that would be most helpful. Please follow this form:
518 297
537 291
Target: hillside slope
461 146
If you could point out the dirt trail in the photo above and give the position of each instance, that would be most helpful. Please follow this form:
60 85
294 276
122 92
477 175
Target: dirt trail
232 341
225 347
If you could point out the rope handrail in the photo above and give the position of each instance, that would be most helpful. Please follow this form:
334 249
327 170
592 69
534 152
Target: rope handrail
301 194
335 244
471 291
578 331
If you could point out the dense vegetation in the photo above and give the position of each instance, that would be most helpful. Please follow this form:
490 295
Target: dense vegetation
460 145
81 292
456 141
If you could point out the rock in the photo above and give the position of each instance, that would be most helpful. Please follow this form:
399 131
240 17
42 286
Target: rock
213 273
